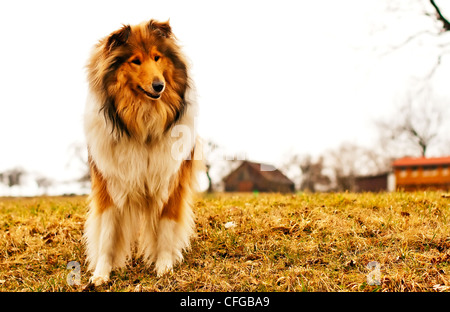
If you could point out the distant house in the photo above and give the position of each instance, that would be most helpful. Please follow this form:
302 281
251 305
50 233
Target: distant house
422 173
373 183
250 176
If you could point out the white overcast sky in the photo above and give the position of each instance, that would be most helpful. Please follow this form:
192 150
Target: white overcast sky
273 77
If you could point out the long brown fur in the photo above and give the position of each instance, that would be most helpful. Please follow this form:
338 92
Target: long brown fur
141 192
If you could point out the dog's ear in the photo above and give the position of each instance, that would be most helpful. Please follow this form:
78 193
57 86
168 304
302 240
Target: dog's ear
118 37
162 29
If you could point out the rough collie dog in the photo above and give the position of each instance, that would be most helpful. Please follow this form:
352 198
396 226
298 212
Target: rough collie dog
139 127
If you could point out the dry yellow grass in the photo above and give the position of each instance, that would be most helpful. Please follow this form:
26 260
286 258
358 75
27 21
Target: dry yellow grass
250 243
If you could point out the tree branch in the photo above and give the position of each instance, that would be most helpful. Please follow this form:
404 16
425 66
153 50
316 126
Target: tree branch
408 40
436 65
445 22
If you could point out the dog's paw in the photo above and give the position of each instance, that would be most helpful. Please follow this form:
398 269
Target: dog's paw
163 266
98 280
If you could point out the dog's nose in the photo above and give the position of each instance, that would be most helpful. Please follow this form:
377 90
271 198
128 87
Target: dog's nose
158 85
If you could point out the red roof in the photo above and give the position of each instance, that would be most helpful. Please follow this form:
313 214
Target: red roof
421 161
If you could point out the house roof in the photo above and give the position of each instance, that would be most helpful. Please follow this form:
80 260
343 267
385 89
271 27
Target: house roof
268 172
421 161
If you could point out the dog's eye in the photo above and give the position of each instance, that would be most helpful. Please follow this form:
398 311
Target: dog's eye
157 58
136 61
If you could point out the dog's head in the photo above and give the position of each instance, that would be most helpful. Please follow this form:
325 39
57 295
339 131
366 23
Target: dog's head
142 78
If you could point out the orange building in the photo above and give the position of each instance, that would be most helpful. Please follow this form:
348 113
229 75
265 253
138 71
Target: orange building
422 173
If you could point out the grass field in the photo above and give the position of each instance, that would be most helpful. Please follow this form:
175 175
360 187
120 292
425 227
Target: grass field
249 242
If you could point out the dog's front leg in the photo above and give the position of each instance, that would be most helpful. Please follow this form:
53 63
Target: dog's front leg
101 233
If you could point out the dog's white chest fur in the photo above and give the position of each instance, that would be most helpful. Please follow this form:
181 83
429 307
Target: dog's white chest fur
134 169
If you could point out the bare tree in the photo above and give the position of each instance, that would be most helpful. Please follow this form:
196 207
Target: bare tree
311 176
436 31
442 27
218 163
349 161
208 152
13 176
291 168
78 156
415 127
44 183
